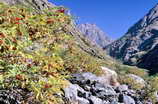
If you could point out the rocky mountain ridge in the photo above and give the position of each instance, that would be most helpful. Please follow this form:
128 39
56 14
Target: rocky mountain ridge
95 34
138 41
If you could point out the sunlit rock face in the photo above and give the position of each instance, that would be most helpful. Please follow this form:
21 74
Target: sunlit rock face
139 41
95 34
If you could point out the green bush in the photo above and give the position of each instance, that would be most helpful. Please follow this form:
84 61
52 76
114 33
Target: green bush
37 54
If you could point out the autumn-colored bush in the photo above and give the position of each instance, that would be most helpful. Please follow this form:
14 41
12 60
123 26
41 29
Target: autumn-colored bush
77 60
152 88
37 54
29 55
125 79
125 69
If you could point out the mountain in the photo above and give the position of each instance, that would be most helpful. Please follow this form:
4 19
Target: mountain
40 5
150 60
139 43
35 4
95 34
45 59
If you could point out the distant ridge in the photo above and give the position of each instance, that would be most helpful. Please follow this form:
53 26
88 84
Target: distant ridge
138 45
95 34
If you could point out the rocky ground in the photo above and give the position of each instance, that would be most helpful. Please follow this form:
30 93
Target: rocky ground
87 88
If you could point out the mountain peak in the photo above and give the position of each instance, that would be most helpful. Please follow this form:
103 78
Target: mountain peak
95 34
153 13
140 39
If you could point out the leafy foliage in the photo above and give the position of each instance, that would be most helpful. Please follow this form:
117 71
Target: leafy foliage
152 88
30 51
37 54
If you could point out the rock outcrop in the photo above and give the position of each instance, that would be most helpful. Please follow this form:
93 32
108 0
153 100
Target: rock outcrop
137 80
85 88
95 34
109 77
150 60
140 40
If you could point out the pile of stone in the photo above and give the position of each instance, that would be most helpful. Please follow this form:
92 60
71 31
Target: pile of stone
87 88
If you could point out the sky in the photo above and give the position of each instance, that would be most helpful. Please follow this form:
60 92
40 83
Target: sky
114 17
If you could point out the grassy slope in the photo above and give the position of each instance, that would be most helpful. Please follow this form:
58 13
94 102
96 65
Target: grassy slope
38 51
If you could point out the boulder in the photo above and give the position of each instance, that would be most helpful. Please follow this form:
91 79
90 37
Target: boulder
109 77
6 97
105 92
87 88
122 88
137 79
74 93
95 100
126 99
83 79
34 47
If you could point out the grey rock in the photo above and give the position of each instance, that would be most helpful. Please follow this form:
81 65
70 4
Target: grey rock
122 88
137 79
84 78
103 91
114 102
126 99
6 97
34 47
82 101
15 96
71 93
95 34
95 100
109 77
150 60
139 45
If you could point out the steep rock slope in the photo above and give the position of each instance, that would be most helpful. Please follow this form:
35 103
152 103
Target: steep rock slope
150 60
138 41
95 34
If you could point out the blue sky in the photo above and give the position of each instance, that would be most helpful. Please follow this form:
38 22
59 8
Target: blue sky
114 17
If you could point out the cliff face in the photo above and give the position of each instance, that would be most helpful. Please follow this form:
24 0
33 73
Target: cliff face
138 41
95 34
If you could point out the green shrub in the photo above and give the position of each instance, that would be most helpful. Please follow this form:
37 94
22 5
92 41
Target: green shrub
29 55
152 88
124 79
